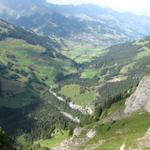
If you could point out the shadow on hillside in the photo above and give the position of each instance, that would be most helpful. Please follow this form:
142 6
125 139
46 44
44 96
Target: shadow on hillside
16 121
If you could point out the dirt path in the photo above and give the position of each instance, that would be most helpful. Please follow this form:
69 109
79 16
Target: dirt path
122 147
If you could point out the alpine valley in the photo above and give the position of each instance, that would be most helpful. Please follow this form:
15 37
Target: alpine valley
73 77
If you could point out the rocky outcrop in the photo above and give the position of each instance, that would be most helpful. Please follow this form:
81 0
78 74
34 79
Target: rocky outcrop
74 142
140 99
91 133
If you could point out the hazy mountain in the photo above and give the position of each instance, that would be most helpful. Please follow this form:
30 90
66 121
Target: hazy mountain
88 23
18 8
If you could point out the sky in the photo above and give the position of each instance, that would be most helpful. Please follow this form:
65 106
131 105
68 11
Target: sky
134 6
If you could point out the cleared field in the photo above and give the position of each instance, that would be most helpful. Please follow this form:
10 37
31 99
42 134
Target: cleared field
74 92
143 52
29 59
83 52
55 140
89 73
125 69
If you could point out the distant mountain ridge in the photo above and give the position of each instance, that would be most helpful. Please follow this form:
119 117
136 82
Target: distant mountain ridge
88 23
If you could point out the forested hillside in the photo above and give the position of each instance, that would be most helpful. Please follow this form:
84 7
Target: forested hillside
30 66
5 142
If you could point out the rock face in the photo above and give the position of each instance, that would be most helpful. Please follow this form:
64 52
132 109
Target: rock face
140 99
91 134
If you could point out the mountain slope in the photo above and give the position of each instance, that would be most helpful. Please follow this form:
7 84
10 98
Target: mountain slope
81 29
112 77
86 23
116 74
121 126
44 94
30 66
45 49
124 59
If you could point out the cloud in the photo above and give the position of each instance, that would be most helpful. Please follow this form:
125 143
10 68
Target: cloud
134 6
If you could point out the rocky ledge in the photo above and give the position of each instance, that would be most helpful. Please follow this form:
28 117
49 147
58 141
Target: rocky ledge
140 99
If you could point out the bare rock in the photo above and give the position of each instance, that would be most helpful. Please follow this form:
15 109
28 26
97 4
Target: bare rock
140 99
77 131
91 134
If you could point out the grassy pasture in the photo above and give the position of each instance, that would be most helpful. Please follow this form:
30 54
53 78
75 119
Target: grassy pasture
30 59
83 52
55 140
125 131
73 91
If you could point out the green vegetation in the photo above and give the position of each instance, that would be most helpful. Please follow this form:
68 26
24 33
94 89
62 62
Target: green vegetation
120 105
116 133
123 59
30 65
143 52
27 57
5 141
80 96
89 73
54 141
82 52
141 42
112 92
125 69
20 100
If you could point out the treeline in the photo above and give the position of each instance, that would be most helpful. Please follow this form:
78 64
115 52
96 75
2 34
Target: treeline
113 92
32 38
5 142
